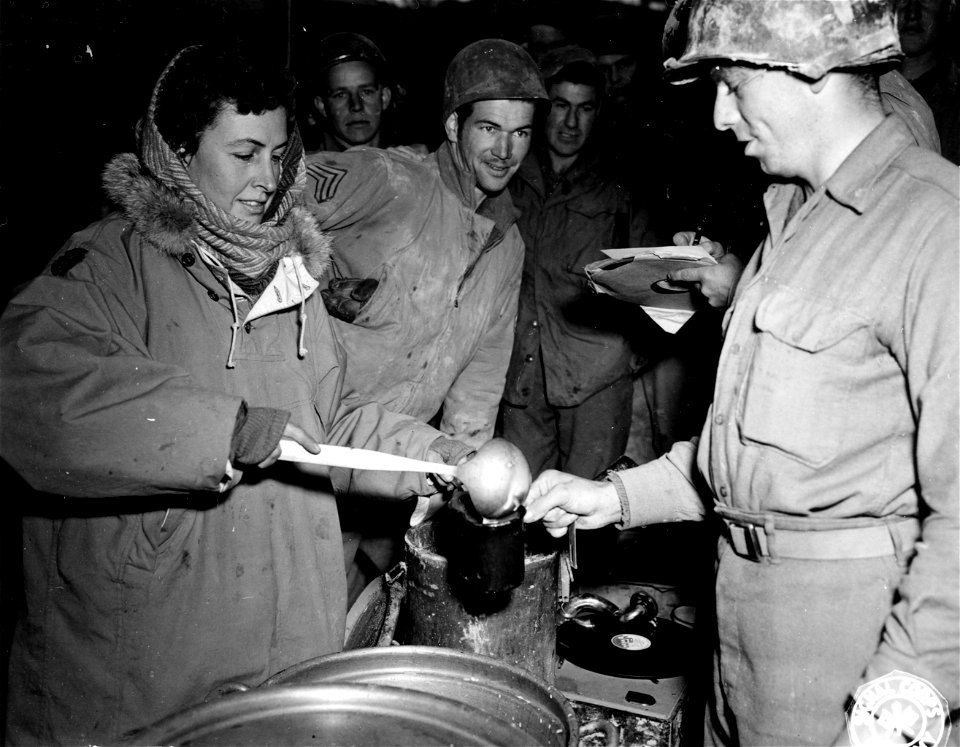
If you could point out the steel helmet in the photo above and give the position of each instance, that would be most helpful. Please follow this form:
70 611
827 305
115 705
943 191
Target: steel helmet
806 37
345 46
554 61
491 69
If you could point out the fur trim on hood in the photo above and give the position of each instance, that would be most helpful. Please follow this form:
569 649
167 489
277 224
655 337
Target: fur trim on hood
166 220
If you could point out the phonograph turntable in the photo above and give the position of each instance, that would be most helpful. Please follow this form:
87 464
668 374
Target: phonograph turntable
623 659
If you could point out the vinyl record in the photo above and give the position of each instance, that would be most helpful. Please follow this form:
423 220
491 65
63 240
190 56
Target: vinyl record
637 649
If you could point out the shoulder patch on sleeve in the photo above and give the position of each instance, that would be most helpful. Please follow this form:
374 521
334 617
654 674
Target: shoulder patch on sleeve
326 179
67 261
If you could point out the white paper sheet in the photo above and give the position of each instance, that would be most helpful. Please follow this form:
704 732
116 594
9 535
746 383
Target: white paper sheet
661 252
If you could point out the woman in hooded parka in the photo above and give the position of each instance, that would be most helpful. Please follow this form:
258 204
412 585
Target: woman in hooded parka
148 375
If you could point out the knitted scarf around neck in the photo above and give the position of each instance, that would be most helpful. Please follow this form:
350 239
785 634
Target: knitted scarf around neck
249 251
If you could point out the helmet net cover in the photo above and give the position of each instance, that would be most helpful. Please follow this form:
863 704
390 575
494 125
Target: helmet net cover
806 37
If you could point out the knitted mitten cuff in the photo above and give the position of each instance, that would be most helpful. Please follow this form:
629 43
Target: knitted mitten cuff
256 434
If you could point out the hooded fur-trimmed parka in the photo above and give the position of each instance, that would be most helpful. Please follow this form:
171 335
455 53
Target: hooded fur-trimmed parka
154 572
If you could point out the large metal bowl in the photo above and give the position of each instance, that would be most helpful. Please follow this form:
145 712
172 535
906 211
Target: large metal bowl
504 692
333 713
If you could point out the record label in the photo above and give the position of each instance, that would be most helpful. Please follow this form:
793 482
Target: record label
640 649
630 642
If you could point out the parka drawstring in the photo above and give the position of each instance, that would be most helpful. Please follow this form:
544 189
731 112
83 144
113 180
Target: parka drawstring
232 290
301 350
235 327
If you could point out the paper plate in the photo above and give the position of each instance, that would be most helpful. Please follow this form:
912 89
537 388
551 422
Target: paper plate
641 281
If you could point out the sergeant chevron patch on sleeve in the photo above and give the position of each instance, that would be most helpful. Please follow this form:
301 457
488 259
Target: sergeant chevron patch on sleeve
326 179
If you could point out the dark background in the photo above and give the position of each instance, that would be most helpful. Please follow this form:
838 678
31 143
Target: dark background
75 75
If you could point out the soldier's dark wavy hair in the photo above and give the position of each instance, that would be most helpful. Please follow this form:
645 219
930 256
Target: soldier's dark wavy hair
580 73
206 79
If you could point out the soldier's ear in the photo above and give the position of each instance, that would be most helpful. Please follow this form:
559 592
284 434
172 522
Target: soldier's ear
450 127
320 106
386 96
821 83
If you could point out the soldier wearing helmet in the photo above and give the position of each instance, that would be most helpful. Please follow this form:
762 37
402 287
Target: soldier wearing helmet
349 93
829 457
488 105
427 261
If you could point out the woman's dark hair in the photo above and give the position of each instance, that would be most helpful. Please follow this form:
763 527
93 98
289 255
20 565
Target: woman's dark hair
203 80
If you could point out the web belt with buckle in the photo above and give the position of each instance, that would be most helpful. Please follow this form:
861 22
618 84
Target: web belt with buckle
757 537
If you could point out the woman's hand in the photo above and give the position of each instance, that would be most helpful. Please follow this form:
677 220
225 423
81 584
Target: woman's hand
293 433
444 451
558 499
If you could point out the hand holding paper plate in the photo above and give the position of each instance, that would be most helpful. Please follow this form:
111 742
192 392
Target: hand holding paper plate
639 275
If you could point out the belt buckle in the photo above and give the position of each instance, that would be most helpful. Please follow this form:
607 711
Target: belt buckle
748 541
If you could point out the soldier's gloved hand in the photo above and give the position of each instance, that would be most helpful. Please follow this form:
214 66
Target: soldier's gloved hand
345 297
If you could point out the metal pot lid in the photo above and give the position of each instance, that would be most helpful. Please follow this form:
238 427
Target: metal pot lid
362 714
503 691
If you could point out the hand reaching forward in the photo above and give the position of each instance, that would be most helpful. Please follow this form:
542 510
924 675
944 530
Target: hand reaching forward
558 499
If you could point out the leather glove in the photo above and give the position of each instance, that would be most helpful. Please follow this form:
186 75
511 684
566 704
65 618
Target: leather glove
345 297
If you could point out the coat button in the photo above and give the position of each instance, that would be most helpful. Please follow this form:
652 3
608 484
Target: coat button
247 327
534 323
723 491
720 420
213 295
187 259
528 358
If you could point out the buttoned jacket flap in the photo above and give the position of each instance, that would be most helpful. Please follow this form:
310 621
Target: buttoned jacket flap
589 207
805 323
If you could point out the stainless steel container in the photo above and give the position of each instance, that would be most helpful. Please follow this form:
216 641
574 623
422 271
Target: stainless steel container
333 713
518 626
504 692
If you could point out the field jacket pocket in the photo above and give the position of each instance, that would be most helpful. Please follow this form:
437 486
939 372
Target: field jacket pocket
589 227
800 377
